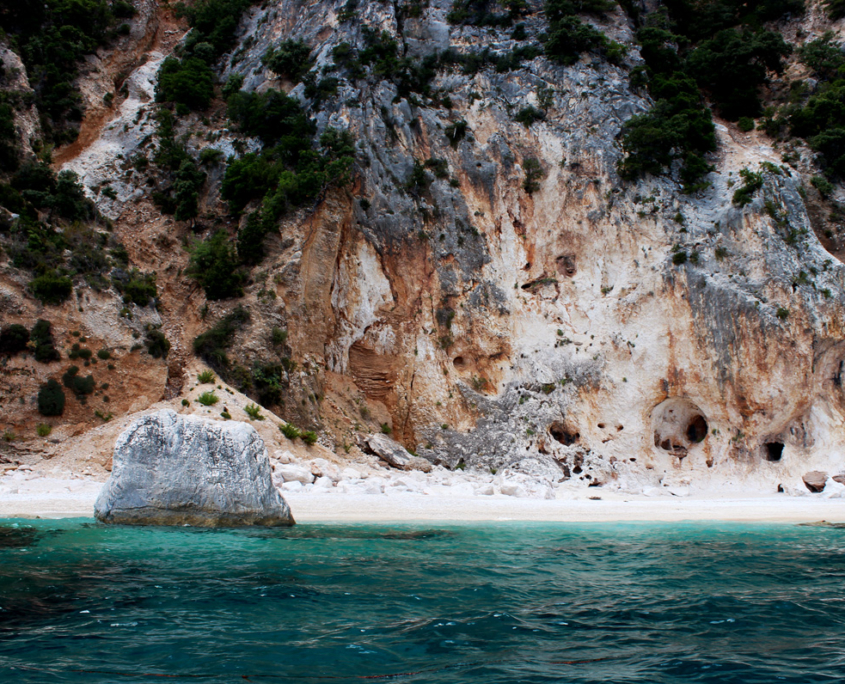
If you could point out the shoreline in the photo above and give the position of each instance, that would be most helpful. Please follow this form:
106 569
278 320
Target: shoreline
76 499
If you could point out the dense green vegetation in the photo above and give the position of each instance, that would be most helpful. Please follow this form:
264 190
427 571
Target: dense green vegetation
820 119
483 12
291 59
714 45
182 178
211 345
215 266
289 172
52 37
189 81
568 36
57 234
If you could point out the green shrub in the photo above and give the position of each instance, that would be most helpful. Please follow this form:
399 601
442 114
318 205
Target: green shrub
211 345
42 336
823 185
782 313
309 437
77 352
824 56
209 155
44 429
215 266
733 65
104 354
139 289
80 386
289 431
533 174
479 12
185 402
278 337
158 346
233 84
214 23
679 257
291 59
206 377
189 82
386 429
752 182
13 338
274 117
51 288
455 132
51 399
528 115
569 37
253 411
208 398
745 124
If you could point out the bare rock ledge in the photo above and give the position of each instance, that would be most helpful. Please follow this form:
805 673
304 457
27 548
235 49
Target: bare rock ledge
181 470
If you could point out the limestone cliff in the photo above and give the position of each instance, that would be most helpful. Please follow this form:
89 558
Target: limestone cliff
514 302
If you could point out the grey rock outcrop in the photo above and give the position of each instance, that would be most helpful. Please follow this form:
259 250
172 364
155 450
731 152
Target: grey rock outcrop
175 470
395 454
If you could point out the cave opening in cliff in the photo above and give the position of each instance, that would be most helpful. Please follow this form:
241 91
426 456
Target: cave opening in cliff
774 451
678 424
697 429
560 433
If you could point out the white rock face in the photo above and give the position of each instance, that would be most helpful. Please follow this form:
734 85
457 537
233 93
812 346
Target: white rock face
175 470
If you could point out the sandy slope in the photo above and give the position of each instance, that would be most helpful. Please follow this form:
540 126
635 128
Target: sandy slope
67 498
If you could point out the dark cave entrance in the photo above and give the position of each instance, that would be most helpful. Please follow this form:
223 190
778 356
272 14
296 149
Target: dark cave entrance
773 451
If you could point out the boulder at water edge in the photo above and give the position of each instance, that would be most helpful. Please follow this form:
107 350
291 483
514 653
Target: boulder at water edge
181 470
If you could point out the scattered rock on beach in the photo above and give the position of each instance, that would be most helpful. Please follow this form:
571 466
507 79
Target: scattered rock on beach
395 454
176 470
294 473
815 480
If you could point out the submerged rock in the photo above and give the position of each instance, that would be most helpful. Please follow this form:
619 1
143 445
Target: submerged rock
176 470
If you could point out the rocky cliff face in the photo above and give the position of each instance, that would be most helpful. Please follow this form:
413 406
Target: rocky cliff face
515 303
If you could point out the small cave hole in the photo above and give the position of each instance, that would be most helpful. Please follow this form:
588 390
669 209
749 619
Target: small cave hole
678 424
459 362
697 429
577 470
562 435
774 451
527 267
566 265
601 426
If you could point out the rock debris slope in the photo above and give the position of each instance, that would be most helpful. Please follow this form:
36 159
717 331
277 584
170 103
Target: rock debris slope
487 289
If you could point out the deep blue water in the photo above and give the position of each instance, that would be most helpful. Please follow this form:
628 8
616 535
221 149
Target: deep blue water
509 602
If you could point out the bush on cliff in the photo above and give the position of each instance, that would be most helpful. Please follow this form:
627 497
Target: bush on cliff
51 399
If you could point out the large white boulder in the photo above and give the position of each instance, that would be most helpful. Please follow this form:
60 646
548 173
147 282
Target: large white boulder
176 470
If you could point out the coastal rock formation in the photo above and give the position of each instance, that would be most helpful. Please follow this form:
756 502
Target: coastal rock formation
176 470
487 284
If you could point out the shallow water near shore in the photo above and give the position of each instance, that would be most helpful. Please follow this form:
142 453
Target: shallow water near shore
434 603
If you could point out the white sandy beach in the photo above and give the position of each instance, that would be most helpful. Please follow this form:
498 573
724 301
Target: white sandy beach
45 497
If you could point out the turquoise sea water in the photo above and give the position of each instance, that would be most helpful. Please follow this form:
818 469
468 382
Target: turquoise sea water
509 602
